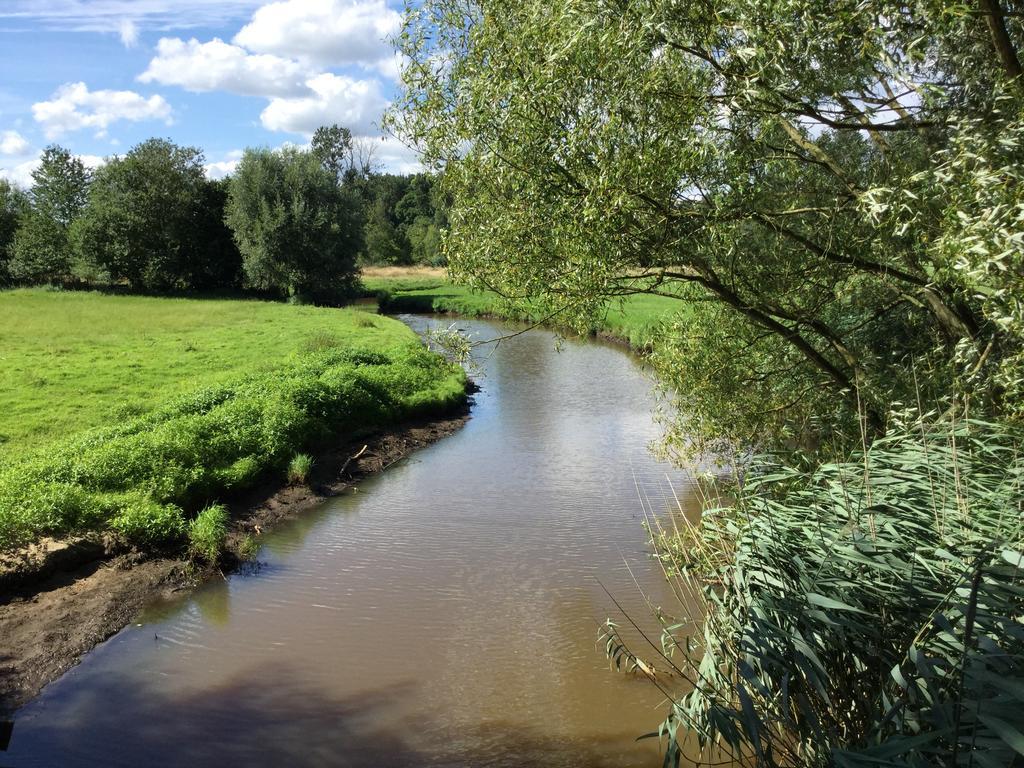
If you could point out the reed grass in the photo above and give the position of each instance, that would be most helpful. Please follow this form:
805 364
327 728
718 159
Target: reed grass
207 533
865 612
299 468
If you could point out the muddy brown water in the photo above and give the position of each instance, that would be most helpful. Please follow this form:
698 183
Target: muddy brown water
445 614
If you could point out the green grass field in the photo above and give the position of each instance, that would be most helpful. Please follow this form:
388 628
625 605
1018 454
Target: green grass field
131 413
77 360
635 320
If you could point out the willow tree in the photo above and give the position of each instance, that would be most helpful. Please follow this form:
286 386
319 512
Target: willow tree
298 230
777 167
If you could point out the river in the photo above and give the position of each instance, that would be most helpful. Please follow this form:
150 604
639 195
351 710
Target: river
444 614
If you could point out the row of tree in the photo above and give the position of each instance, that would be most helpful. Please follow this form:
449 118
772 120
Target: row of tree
287 222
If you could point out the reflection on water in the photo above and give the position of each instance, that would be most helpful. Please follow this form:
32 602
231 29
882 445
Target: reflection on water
445 614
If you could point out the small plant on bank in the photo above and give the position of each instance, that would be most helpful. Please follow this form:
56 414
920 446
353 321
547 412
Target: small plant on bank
207 532
299 468
247 548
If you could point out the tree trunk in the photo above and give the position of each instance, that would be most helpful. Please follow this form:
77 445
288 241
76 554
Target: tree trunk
996 21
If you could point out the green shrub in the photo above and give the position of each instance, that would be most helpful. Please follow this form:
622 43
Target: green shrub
207 532
299 468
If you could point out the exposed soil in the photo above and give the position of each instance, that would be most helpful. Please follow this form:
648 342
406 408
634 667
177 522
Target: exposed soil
59 599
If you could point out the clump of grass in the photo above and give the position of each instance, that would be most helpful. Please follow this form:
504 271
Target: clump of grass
207 532
364 320
320 342
299 468
247 548
127 410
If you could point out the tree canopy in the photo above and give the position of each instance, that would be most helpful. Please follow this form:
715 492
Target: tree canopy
149 219
792 172
298 230
152 221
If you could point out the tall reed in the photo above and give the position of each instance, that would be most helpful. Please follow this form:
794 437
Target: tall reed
867 612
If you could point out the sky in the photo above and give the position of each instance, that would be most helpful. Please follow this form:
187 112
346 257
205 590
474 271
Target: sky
99 76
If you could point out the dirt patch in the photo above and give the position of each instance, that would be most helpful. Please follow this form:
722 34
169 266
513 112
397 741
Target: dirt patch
66 597
438 273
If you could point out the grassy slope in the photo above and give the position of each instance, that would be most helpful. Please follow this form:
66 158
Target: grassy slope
78 360
130 413
635 320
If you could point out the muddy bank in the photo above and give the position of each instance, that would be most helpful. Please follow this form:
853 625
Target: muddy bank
66 597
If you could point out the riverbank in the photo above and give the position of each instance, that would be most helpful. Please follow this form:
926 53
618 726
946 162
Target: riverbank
52 619
635 321
126 420
280 381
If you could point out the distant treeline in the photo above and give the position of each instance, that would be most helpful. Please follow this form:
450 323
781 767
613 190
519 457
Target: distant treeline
289 223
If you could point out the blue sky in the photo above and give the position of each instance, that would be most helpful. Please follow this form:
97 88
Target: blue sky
98 76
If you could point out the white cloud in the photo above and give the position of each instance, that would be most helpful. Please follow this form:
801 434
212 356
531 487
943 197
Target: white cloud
356 104
14 149
93 161
220 169
19 174
225 167
74 107
327 32
129 33
105 15
395 157
390 66
13 144
220 66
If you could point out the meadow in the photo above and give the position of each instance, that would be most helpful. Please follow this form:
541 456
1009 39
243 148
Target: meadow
635 319
132 414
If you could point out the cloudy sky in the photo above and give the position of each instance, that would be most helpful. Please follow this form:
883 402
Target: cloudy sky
98 76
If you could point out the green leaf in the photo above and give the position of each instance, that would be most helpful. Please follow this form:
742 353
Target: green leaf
828 602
